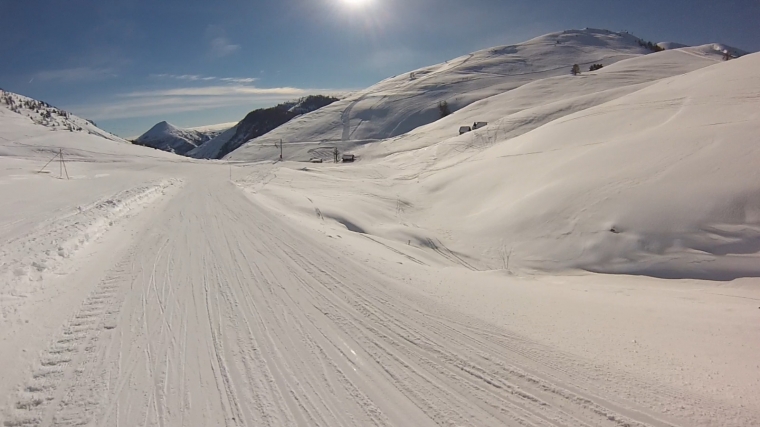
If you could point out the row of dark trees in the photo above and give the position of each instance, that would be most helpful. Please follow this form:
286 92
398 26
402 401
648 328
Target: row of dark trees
651 46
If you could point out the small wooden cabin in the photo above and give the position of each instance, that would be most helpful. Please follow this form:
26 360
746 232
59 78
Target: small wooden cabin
464 129
348 158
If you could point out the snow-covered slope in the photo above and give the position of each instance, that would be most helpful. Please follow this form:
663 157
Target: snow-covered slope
44 114
167 137
621 170
402 103
512 93
257 123
211 149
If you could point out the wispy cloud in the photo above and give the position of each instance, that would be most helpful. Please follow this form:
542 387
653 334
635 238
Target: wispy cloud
77 74
163 102
217 91
221 47
198 78
219 44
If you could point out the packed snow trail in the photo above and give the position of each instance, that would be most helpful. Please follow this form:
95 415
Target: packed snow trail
222 313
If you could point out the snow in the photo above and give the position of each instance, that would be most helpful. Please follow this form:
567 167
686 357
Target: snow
217 128
405 102
48 116
210 149
167 137
439 280
671 45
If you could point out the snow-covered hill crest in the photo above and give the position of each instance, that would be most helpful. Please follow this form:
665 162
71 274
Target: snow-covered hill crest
257 123
405 102
44 114
167 137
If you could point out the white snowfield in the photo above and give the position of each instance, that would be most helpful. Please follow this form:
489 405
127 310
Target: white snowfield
441 280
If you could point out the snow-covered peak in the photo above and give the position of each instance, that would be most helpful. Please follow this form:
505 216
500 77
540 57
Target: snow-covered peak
167 137
44 114
160 130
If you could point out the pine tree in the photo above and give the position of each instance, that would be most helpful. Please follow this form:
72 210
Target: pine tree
576 70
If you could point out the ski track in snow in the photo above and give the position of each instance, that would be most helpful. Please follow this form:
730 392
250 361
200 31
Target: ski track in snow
222 313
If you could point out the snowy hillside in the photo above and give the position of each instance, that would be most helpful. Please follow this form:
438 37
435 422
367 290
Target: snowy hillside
44 114
257 123
402 103
211 148
646 166
167 137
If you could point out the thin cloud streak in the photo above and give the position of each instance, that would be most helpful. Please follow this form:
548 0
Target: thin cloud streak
77 74
199 78
217 91
180 100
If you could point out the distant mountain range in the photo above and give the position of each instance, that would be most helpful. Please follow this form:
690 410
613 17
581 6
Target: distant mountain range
409 101
395 106
215 143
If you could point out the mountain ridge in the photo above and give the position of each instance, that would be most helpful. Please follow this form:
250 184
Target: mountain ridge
43 114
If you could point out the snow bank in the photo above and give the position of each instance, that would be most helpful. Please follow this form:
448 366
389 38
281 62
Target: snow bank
26 261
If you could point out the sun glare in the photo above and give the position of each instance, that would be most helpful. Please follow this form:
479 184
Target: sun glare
356 3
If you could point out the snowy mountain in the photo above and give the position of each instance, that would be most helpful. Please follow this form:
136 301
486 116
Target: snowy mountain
645 166
44 114
402 103
258 123
167 137
405 102
211 148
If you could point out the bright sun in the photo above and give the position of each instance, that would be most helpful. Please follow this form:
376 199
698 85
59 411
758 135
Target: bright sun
356 3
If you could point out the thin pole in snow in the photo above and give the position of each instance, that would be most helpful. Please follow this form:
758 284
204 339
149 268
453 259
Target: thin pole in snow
46 164
280 149
63 162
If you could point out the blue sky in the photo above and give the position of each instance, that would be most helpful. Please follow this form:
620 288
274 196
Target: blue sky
128 64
